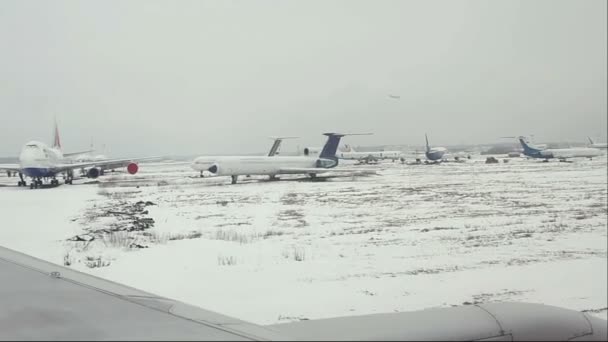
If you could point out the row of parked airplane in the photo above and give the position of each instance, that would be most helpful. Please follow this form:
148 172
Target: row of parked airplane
42 163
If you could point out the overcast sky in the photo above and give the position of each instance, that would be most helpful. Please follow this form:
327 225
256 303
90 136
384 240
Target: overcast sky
195 77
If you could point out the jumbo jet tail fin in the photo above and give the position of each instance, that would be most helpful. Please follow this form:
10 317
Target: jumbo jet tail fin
590 140
56 138
428 148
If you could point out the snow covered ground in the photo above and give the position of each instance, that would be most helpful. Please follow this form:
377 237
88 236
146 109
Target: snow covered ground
274 251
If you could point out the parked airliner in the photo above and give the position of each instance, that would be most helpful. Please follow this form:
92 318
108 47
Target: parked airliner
562 153
235 166
597 145
369 157
43 163
434 154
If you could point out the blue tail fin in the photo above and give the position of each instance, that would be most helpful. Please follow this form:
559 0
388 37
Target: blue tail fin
331 146
527 148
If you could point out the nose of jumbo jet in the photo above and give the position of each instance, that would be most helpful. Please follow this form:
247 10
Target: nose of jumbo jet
31 155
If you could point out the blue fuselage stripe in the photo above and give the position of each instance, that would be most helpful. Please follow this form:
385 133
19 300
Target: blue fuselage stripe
38 172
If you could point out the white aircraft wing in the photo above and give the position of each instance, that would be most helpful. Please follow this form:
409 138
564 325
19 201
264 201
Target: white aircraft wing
324 170
99 163
10 167
45 301
71 154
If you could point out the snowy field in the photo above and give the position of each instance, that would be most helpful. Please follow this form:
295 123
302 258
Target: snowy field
410 238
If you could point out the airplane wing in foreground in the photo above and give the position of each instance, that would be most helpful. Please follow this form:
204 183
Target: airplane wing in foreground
45 301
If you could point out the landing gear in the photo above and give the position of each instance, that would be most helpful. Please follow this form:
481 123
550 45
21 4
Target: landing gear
234 178
274 178
22 181
202 174
312 175
54 182
36 183
69 177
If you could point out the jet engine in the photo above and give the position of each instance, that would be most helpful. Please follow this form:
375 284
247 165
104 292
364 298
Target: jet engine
132 168
94 172
311 151
214 169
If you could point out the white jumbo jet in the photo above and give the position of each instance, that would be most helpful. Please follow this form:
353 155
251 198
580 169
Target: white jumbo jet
272 165
43 164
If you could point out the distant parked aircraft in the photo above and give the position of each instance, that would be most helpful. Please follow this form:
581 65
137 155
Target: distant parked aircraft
562 153
434 154
368 156
597 145
235 166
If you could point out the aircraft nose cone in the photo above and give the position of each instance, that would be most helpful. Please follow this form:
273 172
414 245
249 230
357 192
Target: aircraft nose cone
31 157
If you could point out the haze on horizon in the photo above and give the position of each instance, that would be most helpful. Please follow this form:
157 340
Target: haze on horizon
196 77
